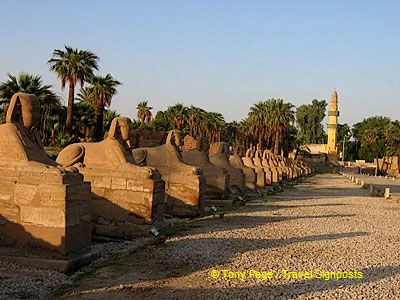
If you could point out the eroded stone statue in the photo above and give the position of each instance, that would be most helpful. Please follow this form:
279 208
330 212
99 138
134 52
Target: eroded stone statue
217 178
124 195
250 175
264 176
268 160
219 156
271 176
185 185
41 203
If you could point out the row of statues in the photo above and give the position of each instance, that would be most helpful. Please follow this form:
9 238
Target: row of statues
108 188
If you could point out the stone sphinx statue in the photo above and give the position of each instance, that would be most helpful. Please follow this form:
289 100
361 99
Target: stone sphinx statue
271 173
263 175
41 203
219 156
185 185
268 159
126 198
250 175
217 178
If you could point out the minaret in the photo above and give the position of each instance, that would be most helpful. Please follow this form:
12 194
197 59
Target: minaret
332 127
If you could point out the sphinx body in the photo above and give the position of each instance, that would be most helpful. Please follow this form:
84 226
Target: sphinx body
185 185
264 176
124 195
271 174
269 159
265 159
41 203
217 178
250 174
219 156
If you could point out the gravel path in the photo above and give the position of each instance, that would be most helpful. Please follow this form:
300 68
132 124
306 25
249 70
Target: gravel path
325 224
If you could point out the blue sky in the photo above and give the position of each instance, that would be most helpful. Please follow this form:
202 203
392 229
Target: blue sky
220 55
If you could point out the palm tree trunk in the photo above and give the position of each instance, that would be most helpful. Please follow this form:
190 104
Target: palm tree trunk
68 123
260 142
98 131
276 144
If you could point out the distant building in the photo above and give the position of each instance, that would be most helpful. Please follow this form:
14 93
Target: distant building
330 149
333 115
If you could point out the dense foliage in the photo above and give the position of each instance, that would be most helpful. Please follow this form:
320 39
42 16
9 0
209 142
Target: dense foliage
376 137
309 119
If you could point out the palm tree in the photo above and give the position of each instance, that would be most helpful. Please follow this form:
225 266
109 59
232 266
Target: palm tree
144 112
280 116
257 119
99 95
83 118
178 115
214 123
244 133
72 66
268 124
32 84
195 119
231 133
109 115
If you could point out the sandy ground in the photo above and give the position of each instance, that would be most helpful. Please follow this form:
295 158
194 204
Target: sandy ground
325 224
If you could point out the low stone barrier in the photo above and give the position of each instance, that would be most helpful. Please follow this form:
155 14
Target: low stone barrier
377 185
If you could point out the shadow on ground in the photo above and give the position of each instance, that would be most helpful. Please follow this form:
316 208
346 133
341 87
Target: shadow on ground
263 290
158 263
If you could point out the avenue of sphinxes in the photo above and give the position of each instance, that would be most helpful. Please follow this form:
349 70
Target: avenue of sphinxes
198 150
110 189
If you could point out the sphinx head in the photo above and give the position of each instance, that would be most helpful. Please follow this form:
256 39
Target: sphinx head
174 138
250 153
24 109
219 148
119 130
189 143
203 144
238 150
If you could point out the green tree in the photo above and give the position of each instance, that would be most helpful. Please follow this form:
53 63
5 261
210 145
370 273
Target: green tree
392 136
231 133
109 115
162 122
309 119
258 120
343 138
212 126
269 123
32 84
83 118
280 118
369 136
196 118
99 95
178 115
72 66
144 112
